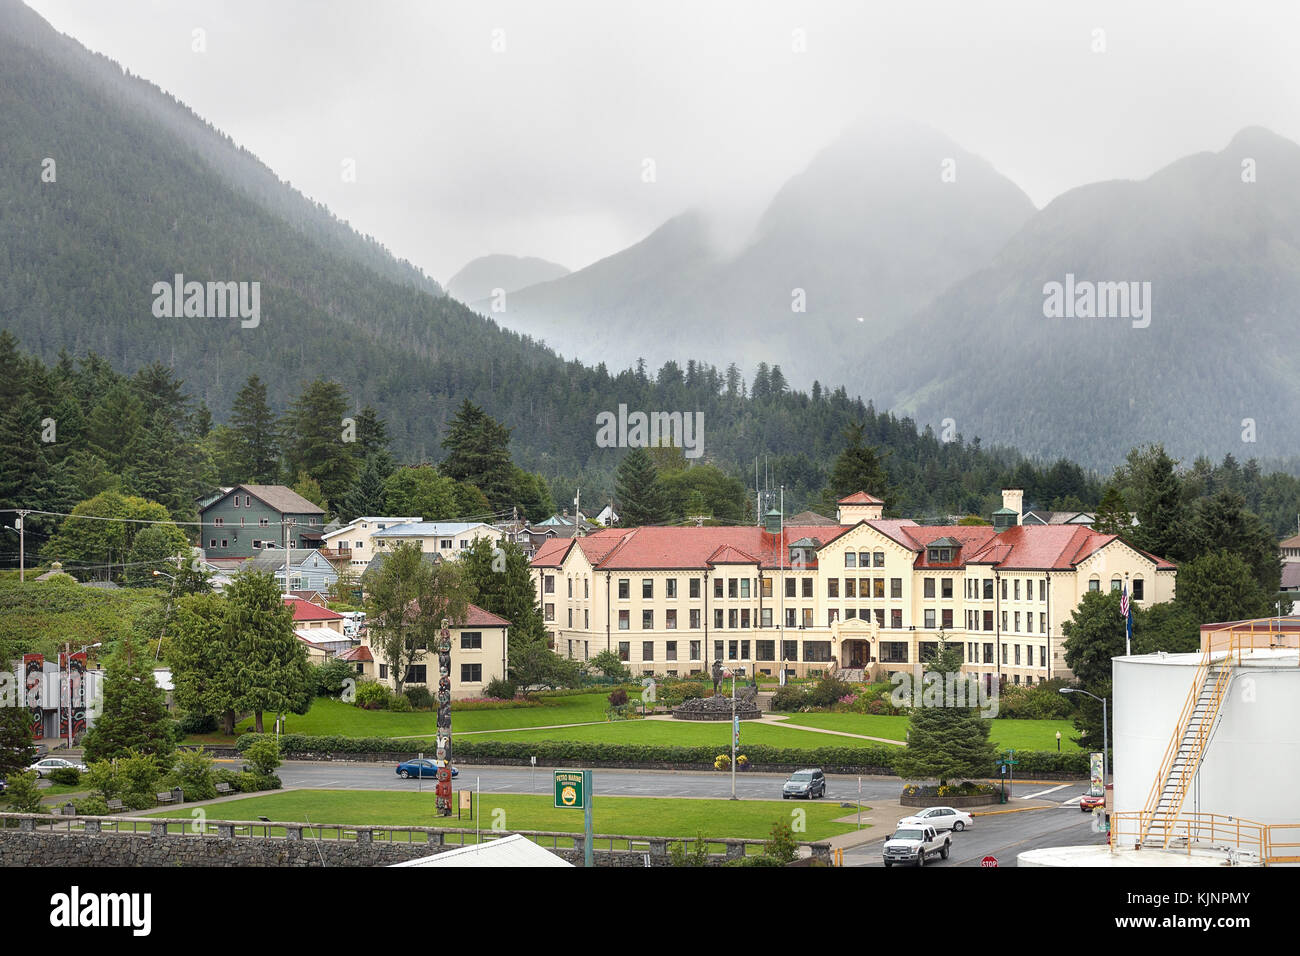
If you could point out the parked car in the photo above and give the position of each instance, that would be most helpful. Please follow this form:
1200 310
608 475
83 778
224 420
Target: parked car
912 844
42 767
1092 801
941 818
422 768
808 784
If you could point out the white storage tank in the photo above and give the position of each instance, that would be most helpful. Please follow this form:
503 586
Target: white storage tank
1251 765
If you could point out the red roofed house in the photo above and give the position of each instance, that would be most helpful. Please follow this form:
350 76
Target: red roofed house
479 655
866 596
319 629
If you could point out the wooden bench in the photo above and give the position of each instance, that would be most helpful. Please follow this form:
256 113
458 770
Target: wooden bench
115 806
224 788
164 797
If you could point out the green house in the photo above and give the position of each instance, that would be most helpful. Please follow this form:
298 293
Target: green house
242 521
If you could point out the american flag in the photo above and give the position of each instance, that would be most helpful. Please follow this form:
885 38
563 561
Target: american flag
1123 602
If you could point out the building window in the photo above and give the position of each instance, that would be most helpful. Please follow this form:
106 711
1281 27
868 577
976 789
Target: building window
550 612
745 584
946 618
695 618
624 589
263 522
1017 655
945 589
471 641
1115 584
416 674
570 580
732 588
807 617
670 588
223 542
896 588
1016 589
817 651
647 650
717 587
471 673
624 621
695 650
731 618
1139 589
732 652
570 617
586 620
218 522
927 589
549 586
717 650
624 650
1094 585
878 559
717 618
212 543
833 587
988 620
744 617
445 544
765 618
670 620
850 559
893 652
670 651
236 501
896 618
929 618
1004 589
789 587
789 650
988 589
832 616
647 589
765 650
695 588
807 587
383 672
988 653
790 617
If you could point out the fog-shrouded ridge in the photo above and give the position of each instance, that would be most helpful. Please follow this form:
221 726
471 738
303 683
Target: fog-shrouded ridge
872 229
480 278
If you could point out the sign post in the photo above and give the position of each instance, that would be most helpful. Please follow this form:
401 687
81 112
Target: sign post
573 792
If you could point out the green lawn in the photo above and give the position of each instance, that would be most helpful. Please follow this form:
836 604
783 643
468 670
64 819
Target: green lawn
329 716
1005 732
681 734
637 816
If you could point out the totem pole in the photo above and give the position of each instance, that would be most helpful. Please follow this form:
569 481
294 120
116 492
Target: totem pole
443 789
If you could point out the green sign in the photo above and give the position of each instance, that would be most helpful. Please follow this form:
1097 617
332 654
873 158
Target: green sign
570 792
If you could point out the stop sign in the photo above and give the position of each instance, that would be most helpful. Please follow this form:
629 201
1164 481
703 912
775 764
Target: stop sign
989 861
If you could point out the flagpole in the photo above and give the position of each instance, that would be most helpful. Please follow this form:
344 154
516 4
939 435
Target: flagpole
1128 620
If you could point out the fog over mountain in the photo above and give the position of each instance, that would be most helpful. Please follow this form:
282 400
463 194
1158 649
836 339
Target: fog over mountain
479 278
880 222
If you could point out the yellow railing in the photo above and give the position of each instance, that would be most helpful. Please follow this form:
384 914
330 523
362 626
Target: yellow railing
1268 633
1269 842
1175 743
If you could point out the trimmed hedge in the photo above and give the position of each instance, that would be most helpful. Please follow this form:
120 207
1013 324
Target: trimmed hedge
556 752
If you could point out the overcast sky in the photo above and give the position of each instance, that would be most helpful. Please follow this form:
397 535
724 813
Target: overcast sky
522 127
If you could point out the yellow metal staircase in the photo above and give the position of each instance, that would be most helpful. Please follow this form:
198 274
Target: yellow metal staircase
1183 755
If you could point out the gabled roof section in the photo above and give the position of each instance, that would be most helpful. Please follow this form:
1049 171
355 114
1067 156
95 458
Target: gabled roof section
726 554
282 499
860 498
306 611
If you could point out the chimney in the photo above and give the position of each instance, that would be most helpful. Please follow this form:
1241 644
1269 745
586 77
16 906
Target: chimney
1014 499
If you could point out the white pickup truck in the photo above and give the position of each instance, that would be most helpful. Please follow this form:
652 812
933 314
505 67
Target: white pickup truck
912 843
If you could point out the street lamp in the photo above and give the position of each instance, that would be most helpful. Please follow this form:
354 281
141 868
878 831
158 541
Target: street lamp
1058 741
1105 731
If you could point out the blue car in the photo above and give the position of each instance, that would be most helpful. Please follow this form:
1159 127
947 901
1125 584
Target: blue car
422 768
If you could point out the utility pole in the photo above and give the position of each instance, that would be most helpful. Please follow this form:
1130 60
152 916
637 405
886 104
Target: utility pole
287 529
22 561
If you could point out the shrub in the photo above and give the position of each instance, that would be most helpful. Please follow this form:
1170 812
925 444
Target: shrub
618 697
197 724
139 801
722 762
133 779
790 697
194 774
92 806
262 756
371 695
781 847
419 697
828 691
22 794
400 704
330 678
698 855
67 776
253 782
500 689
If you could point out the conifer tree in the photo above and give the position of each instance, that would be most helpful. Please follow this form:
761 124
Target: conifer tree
637 490
944 742
257 448
133 714
273 672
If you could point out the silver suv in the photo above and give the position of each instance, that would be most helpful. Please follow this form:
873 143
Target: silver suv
808 784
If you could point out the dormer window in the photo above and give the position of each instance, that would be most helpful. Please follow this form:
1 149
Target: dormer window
940 555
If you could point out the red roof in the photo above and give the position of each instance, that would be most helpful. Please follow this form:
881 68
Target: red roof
1021 547
358 654
861 498
306 611
475 616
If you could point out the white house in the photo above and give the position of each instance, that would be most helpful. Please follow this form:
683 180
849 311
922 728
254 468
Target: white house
353 541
